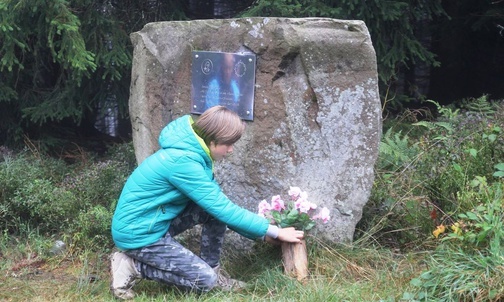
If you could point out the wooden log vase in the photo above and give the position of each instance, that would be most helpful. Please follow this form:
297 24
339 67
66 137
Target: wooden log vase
295 259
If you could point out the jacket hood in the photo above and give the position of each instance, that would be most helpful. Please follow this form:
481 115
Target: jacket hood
179 134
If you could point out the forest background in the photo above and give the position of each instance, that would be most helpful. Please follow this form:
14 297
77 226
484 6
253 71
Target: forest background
66 65
431 231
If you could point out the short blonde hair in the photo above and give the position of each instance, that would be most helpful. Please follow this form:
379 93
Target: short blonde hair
220 125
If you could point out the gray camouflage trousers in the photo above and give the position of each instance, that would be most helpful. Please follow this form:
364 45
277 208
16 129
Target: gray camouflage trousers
167 261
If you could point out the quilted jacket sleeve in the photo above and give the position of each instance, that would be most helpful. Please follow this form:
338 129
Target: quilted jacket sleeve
189 176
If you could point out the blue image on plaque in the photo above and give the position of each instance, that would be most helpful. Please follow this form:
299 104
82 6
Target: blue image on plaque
221 78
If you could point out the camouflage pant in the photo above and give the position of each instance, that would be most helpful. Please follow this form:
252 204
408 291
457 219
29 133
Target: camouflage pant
167 261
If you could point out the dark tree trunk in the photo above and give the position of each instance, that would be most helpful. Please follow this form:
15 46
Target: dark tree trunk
216 9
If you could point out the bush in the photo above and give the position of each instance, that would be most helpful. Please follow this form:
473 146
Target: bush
444 189
91 229
482 227
458 157
27 189
469 263
74 200
422 173
44 205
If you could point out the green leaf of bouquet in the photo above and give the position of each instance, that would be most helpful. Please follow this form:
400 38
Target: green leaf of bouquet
304 217
293 214
285 224
289 221
297 225
309 226
276 216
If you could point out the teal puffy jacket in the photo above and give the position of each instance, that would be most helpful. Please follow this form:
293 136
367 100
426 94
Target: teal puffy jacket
161 187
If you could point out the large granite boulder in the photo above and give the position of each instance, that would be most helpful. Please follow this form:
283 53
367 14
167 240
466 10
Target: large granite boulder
317 113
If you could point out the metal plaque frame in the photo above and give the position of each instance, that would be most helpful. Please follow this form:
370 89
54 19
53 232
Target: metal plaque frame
223 78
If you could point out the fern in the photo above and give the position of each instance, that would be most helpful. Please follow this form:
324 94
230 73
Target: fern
396 150
480 105
446 112
435 126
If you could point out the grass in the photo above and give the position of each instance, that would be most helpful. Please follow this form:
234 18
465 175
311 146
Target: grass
337 273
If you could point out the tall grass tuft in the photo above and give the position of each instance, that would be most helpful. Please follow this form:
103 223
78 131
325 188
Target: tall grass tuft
456 275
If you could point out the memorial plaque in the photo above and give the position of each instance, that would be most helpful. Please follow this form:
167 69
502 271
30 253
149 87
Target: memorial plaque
221 78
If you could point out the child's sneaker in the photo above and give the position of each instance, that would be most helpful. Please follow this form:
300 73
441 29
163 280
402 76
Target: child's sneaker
225 282
124 275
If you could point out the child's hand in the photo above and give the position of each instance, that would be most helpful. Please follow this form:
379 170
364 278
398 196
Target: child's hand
272 240
290 235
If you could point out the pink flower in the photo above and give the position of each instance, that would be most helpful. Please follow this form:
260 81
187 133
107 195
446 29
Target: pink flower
323 215
277 204
264 208
304 205
303 195
294 192
297 211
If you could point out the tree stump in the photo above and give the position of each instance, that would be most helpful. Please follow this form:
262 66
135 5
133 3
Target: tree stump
295 259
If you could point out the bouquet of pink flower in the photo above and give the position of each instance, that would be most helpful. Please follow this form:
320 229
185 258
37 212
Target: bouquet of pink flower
296 212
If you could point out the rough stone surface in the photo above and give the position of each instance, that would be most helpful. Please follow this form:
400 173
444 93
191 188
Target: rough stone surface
317 115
